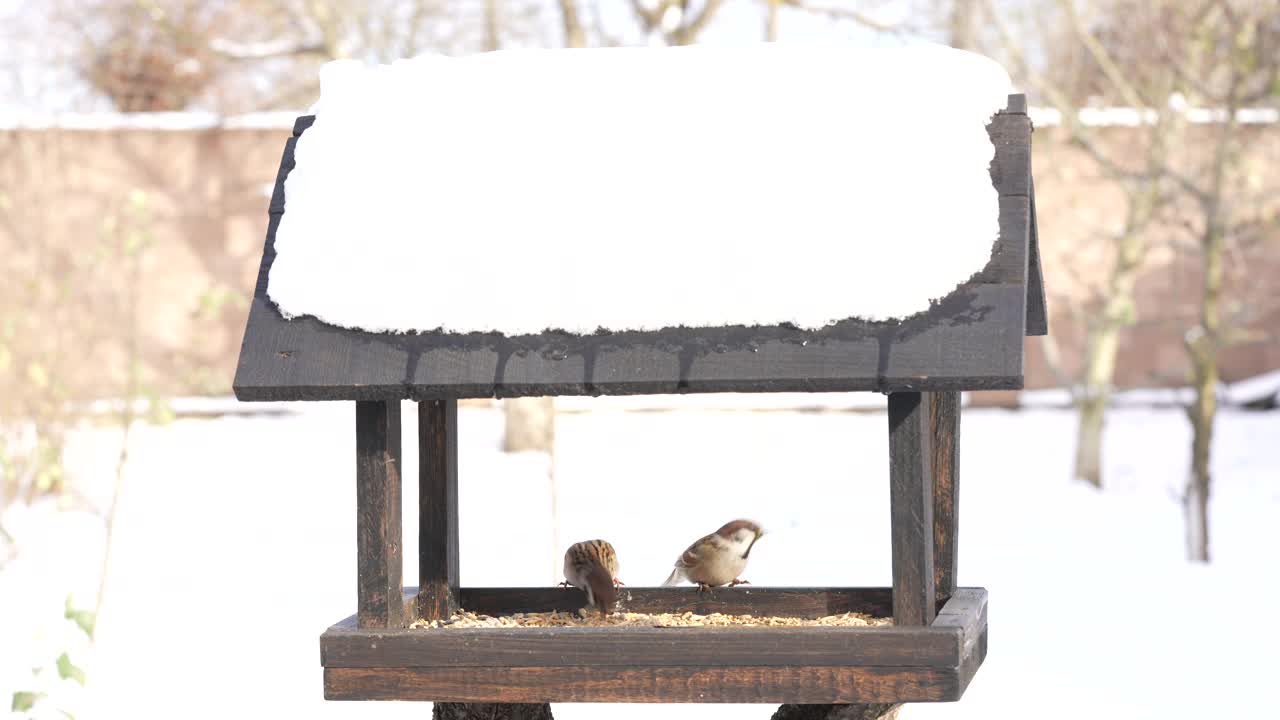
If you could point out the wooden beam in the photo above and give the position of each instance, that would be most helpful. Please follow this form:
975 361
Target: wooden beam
967 611
642 664
344 646
759 601
437 508
378 529
944 423
911 514
804 684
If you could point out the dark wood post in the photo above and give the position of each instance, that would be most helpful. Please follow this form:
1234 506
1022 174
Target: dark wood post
911 514
438 546
859 711
437 508
378 529
944 413
490 711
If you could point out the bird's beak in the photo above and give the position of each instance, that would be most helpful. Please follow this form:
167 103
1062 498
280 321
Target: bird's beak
759 532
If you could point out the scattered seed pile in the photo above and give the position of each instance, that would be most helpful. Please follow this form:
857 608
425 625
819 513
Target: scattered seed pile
590 618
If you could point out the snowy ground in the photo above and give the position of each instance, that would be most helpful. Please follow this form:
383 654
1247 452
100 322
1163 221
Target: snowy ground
235 550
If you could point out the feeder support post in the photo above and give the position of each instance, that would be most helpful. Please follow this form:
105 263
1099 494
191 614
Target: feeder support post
911 512
437 508
378 525
944 420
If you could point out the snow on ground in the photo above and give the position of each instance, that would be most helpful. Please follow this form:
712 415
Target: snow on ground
520 163
235 549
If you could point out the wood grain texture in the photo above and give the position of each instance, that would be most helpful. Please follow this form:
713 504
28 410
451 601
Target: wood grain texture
973 659
643 647
378 522
911 511
742 600
437 508
966 610
706 665
1008 264
808 684
969 340
944 424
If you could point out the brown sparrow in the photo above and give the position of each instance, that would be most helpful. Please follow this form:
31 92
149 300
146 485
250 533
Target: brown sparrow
718 558
592 565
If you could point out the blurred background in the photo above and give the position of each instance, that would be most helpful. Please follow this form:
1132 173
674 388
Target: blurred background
165 550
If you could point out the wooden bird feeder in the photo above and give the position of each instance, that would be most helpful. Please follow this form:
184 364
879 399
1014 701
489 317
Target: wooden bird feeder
970 340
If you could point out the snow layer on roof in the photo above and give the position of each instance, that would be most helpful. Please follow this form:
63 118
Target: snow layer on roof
640 188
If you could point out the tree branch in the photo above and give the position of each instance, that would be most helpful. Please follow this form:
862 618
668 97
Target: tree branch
1100 55
650 19
234 50
688 33
845 13
574 35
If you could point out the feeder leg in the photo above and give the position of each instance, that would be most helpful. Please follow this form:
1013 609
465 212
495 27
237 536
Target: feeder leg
911 511
380 602
876 711
437 508
944 411
490 711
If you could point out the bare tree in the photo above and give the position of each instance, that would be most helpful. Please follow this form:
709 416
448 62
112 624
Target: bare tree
145 56
1235 63
674 22
962 24
1148 33
575 35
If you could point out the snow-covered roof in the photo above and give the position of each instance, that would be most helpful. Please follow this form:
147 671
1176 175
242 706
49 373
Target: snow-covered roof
971 339
729 186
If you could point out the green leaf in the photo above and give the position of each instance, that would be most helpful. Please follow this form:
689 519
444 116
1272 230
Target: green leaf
24 701
68 671
82 618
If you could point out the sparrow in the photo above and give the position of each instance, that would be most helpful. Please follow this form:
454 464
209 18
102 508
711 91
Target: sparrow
718 558
592 565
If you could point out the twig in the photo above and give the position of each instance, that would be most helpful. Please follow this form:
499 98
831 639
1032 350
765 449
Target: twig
1101 56
234 50
844 13
127 417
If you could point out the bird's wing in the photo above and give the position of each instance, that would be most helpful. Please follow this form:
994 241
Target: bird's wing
690 556
609 557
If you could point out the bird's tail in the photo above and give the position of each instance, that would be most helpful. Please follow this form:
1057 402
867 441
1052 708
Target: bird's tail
673 578
603 593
